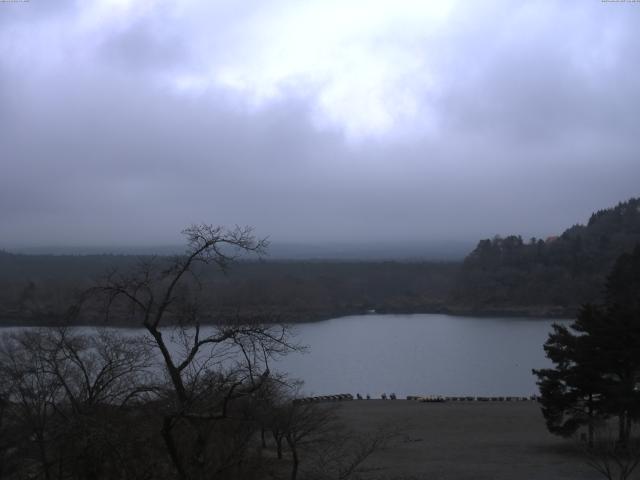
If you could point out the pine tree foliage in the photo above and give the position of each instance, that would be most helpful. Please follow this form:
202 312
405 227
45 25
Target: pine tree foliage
596 372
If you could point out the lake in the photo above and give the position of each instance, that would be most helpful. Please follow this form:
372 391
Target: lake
426 354
421 354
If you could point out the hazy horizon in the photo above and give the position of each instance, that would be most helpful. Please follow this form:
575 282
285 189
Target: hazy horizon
425 248
420 251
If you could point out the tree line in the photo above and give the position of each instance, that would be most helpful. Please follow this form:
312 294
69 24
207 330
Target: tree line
560 273
308 290
37 290
503 275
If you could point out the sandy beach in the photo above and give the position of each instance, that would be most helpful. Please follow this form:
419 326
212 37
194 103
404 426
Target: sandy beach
466 440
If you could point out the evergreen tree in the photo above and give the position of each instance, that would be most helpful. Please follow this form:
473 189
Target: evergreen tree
596 372
621 342
570 393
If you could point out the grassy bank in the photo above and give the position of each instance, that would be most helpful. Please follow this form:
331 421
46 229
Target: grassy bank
467 440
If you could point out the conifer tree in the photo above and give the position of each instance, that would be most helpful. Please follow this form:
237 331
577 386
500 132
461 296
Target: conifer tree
596 372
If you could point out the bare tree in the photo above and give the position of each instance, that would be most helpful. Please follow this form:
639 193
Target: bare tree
611 458
343 453
305 425
319 444
66 398
209 368
198 389
30 400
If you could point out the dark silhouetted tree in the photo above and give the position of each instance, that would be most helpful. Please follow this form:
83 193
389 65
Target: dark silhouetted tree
213 372
596 370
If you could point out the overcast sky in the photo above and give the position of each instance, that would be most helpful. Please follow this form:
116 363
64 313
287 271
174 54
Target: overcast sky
123 121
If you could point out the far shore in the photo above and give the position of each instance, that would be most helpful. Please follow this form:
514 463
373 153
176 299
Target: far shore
556 313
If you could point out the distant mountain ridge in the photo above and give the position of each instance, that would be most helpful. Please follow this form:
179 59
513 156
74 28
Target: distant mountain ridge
559 272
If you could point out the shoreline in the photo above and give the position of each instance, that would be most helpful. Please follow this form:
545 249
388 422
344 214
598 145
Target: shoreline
529 313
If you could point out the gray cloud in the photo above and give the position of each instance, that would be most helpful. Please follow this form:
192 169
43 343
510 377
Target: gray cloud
124 126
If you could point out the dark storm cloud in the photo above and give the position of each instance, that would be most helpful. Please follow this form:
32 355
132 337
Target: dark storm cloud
124 121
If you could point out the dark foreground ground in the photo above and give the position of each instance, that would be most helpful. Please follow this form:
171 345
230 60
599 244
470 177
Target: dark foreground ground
468 440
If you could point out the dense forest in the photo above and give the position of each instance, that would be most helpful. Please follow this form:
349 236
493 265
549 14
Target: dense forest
555 275
40 289
503 275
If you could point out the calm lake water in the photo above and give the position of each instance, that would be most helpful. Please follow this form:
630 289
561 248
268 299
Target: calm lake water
418 354
421 354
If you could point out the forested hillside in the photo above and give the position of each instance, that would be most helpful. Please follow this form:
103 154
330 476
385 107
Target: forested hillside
500 276
40 289
553 275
